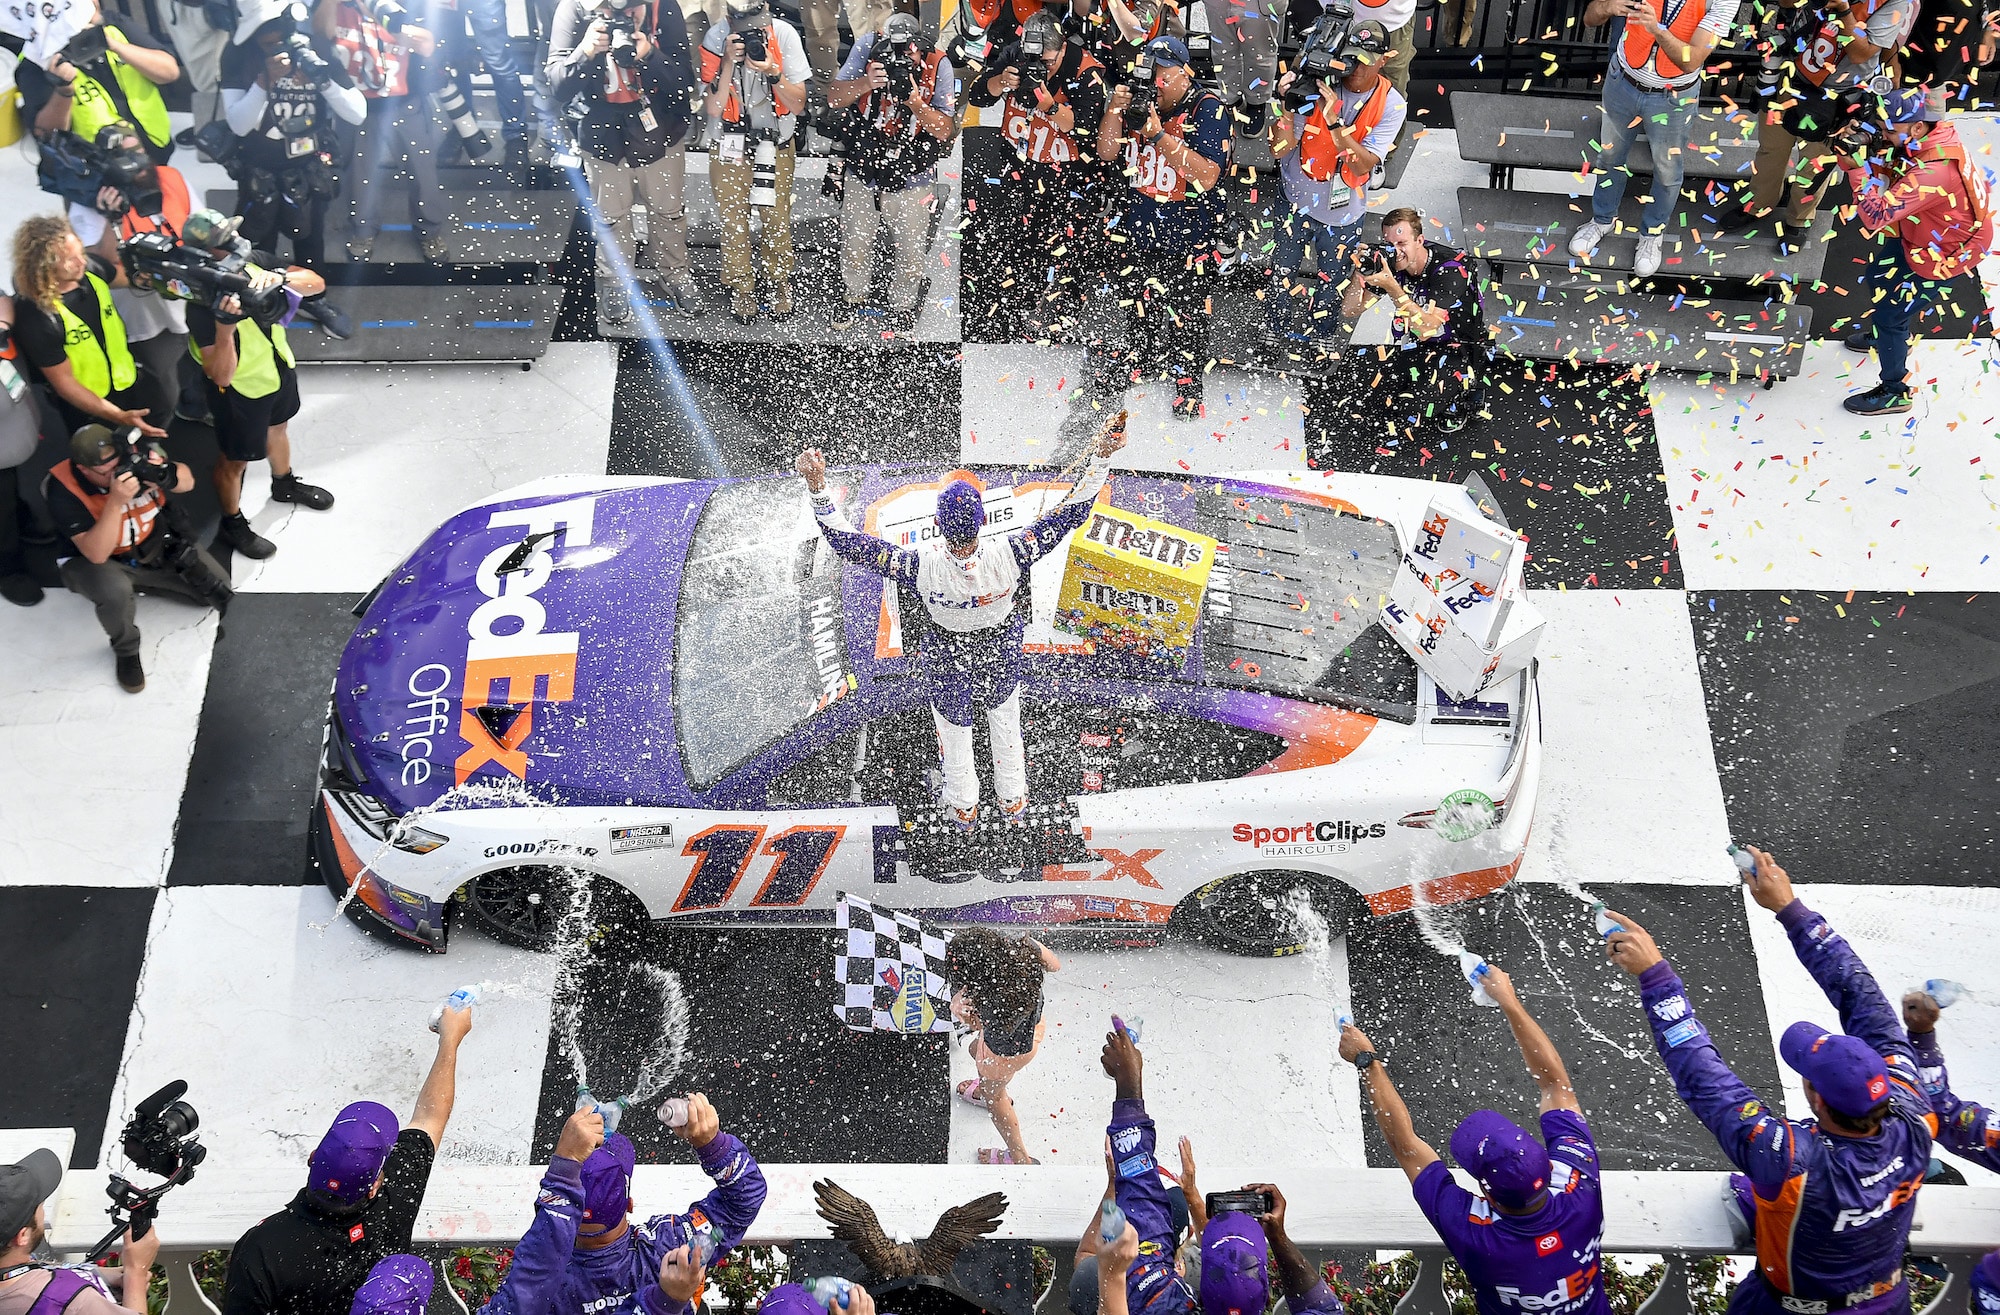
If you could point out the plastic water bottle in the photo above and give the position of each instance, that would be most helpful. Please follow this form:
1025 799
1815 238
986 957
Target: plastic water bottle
612 1112
1746 862
674 1113
1474 968
1605 924
702 1248
1942 992
830 1291
1343 1020
1112 1226
1132 1027
463 998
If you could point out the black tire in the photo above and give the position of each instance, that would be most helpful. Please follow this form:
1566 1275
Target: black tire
525 907
1243 914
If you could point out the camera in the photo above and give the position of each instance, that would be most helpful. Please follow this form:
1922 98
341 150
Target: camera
1257 1204
160 1138
1139 77
1320 54
753 26
764 171
1041 46
157 262
451 103
87 46
841 131
306 61
1849 119
77 170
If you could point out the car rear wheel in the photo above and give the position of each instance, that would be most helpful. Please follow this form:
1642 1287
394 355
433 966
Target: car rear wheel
527 907
1254 913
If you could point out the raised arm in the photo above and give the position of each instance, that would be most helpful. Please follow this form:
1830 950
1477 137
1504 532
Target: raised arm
1965 1128
1412 1152
1544 1064
1040 539
542 1257
739 1190
864 550
440 1089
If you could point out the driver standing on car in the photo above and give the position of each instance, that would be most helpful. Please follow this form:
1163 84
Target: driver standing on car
971 655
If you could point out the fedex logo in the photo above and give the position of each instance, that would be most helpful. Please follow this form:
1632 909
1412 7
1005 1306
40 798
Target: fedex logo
1898 1196
1572 1290
509 652
1433 537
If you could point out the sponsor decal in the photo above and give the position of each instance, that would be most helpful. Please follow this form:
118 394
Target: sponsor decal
1749 1110
1667 1010
356 1233
826 637
911 1008
1330 837
540 847
1136 1166
1126 1140
652 835
1883 1172
1098 904
1682 1032
1898 1196
1152 543
1463 814
1548 1244
1113 599
1878 1087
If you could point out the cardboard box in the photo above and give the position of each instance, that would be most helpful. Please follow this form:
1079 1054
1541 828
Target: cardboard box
1455 604
1134 583
1461 667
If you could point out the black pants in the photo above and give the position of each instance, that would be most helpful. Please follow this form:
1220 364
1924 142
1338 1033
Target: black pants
265 220
1166 316
13 515
1034 252
1381 396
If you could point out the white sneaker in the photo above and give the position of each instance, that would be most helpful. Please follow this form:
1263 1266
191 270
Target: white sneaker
1647 262
1585 240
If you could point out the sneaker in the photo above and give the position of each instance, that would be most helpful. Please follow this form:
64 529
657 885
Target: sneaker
1742 220
288 487
962 819
1453 421
20 590
131 673
849 314
235 532
614 304
1882 400
192 416
743 305
435 239
1647 262
781 302
329 317
1014 811
1187 400
1254 118
361 242
687 296
1585 239
1860 339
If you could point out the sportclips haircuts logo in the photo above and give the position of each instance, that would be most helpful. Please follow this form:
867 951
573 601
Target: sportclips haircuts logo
1307 838
508 650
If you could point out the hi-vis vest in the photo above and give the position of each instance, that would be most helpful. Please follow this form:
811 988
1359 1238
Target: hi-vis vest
140 513
1034 134
1940 265
102 365
257 357
1319 157
1641 51
732 109
174 207
1821 55
96 104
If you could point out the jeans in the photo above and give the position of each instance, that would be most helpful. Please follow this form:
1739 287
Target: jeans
1318 305
1664 116
497 53
1900 295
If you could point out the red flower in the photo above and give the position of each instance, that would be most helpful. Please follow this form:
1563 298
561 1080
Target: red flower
462 1266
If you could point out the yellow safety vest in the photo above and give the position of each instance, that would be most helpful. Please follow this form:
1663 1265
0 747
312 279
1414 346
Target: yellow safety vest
257 357
102 365
95 106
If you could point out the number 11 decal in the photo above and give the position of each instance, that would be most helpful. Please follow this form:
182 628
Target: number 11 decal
722 854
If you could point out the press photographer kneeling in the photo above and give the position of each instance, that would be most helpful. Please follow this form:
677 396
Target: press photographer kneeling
111 500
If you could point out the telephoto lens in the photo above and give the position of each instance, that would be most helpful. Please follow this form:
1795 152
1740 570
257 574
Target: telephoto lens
764 173
451 103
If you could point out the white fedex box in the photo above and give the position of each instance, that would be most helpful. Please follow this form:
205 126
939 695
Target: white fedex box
1456 606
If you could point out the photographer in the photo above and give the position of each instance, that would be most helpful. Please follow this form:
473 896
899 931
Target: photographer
901 124
101 77
383 50
71 332
1339 128
1174 135
624 76
1439 324
1051 199
365 1185
110 500
1654 80
280 99
1928 195
253 385
28 1285
754 76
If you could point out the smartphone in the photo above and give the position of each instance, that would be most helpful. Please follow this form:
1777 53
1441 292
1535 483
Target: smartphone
1249 1203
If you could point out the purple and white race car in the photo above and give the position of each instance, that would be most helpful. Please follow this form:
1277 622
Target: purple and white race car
671 695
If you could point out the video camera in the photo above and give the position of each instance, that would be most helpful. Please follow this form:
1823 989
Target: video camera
1850 119
1320 56
162 263
88 46
77 170
160 1138
1139 77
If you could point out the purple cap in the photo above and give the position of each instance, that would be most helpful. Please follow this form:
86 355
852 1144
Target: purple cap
345 1163
1986 1283
1844 1070
1233 1256
607 1183
789 1299
398 1285
960 511
1512 1167
1169 50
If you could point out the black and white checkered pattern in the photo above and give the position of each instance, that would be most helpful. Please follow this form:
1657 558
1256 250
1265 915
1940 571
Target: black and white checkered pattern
881 948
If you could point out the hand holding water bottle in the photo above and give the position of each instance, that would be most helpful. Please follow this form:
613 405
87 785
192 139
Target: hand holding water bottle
453 1019
1115 1258
582 1134
1353 1041
1499 987
682 1275
1920 1012
1631 946
1122 1062
1769 884
841 1297
701 1123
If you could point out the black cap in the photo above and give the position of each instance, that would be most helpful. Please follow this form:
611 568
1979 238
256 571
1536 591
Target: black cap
25 1186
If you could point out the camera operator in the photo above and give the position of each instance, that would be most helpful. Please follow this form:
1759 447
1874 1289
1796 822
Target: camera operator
1175 153
1328 148
1928 195
384 52
280 99
1051 199
1654 80
28 1285
71 332
901 124
1815 70
110 500
754 75
625 77
101 77
365 1184
253 385
1439 324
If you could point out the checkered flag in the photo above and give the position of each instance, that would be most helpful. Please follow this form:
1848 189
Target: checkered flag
891 969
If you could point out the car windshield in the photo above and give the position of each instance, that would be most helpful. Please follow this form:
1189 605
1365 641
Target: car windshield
758 644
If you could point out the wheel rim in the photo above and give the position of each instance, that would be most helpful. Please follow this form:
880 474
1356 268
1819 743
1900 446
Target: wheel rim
514 903
1249 910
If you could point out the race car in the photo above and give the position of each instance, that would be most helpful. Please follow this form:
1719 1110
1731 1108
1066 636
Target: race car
591 699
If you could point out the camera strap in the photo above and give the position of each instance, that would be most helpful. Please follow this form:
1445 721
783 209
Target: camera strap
63 1287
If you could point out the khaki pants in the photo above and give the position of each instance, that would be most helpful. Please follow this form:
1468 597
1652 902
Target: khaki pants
1402 49
658 185
1772 167
731 185
700 14
822 23
907 212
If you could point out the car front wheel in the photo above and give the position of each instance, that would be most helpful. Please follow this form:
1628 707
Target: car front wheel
1266 914
538 908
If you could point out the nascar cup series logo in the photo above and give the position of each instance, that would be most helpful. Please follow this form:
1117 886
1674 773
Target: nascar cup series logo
1307 838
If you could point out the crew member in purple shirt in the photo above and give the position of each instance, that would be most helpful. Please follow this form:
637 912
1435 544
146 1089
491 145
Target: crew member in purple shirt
1832 1197
1532 1241
1966 1128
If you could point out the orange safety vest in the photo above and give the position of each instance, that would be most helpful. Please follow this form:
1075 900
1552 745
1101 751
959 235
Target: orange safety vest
983 12
374 57
140 513
1034 134
711 66
175 205
1642 52
1821 56
1319 157
1948 265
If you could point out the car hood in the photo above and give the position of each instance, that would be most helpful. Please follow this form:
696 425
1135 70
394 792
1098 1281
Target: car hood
569 653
